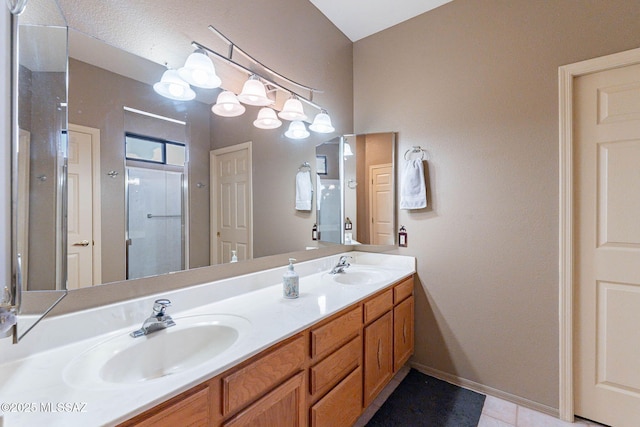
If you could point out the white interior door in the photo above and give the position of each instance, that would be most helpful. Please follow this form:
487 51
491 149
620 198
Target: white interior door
80 210
607 246
381 204
231 198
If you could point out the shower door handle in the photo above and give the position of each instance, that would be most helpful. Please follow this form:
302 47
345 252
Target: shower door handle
83 243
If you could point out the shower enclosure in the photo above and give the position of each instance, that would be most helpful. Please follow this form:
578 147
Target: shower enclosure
155 222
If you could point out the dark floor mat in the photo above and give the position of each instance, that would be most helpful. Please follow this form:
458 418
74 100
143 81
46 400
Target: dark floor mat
421 400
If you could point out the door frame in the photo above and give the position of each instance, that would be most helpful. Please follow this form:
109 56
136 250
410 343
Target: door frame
96 199
213 225
566 75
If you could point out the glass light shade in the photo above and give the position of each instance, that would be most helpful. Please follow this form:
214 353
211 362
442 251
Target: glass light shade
267 119
297 130
199 71
173 87
292 110
347 150
227 105
254 93
322 123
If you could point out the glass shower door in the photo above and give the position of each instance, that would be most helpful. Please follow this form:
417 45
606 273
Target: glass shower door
155 225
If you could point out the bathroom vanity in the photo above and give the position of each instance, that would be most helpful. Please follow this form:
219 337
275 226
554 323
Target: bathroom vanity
318 360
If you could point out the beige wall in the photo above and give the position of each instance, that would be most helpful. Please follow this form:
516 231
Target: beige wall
474 82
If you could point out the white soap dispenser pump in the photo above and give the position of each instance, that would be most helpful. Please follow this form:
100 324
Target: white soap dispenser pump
290 282
234 256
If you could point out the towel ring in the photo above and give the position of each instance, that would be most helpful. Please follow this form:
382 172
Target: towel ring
305 165
414 150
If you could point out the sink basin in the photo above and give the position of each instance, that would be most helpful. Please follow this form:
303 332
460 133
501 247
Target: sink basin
125 360
357 275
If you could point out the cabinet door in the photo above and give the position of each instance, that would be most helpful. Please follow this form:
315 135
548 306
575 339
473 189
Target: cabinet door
283 407
402 333
378 356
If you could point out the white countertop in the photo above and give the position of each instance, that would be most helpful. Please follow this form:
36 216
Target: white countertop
33 391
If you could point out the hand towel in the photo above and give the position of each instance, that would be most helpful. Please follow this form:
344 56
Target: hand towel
304 191
413 194
318 191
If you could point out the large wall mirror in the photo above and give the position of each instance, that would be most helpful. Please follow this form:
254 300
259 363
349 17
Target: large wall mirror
139 195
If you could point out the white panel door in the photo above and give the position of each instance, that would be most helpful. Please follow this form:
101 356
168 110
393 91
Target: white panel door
381 204
231 184
79 211
607 246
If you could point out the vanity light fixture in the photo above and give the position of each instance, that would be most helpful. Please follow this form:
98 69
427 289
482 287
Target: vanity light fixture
173 87
322 123
199 71
297 130
254 93
227 105
267 119
292 110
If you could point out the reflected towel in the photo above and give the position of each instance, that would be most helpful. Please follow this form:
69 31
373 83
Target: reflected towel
413 194
304 191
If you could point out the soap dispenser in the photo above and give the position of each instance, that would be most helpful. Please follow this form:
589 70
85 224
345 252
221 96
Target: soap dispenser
234 257
290 282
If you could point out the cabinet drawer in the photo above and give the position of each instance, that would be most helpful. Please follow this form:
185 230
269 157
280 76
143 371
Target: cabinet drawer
333 368
245 385
342 405
283 407
327 337
191 410
402 290
378 305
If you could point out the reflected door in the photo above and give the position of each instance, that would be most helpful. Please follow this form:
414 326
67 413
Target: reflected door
231 185
79 210
607 200
155 227
382 206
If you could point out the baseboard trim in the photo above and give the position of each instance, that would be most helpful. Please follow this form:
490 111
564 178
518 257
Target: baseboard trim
480 388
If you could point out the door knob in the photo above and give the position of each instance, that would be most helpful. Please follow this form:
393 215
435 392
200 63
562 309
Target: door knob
83 243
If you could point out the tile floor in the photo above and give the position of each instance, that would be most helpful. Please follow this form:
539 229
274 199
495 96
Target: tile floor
495 413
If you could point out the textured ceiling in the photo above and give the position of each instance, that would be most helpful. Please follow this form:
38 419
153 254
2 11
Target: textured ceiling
361 18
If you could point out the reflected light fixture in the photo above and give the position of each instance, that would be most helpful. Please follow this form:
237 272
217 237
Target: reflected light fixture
346 149
227 105
267 119
199 71
173 87
322 123
297 130
292 110
254 93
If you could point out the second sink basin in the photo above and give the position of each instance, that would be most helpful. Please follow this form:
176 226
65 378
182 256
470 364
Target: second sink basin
126 360
358 275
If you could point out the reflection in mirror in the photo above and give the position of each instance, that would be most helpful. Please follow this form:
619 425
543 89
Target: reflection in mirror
40 150
369 189
329 191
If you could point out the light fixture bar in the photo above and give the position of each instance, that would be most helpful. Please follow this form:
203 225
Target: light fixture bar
251 72
233 46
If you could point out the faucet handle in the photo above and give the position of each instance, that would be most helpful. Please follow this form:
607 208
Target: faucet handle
160 306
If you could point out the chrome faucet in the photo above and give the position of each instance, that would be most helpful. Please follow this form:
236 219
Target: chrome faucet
341 265
157 321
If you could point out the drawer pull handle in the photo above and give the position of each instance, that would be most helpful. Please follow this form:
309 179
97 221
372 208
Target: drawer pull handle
379 350
404 331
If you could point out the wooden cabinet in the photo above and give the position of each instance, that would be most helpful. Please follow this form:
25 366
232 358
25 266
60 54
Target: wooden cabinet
283 407
190 408
322 377
378 356
402 333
